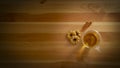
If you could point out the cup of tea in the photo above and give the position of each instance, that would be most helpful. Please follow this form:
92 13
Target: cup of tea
91 38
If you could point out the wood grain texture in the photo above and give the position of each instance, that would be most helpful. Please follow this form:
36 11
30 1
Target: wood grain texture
61 6
34 34
59 17
31 37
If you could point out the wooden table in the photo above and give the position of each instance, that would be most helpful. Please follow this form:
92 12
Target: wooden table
33 34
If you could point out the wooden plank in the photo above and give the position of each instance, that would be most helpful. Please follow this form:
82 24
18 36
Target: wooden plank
35 51
52 6
57 65
60 17
55 27
51 45
30 37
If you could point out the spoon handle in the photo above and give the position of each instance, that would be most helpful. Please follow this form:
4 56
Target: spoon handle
85 26
82 53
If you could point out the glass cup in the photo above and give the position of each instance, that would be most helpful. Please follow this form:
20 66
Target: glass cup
91 38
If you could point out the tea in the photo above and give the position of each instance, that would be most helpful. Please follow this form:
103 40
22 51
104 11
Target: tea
90 39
